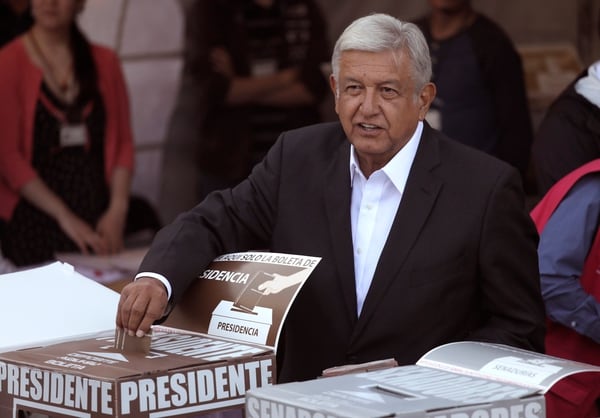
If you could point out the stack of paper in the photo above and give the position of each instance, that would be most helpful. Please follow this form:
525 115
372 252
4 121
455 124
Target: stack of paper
53 303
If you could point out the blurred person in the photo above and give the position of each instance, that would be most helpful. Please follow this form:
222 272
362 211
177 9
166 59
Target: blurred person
481 97
15 18
257 68
569 134
423 241
66 155
567 218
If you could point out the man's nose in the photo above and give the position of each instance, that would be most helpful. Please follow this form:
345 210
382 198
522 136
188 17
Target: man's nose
370 103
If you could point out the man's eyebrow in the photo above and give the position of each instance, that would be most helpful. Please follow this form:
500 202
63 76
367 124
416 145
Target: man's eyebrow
380 83
351 80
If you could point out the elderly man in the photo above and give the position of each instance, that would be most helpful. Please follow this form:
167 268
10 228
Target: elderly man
423 240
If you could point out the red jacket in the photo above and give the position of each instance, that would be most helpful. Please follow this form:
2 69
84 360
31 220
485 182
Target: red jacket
574 396
20 82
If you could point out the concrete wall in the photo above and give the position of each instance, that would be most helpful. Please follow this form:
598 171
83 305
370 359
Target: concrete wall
148 36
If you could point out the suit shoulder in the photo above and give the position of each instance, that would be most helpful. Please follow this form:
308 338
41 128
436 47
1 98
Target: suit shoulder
325 129
471 161
312 144
318 135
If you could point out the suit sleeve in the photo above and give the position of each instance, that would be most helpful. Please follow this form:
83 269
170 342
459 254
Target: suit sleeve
510 290
230 220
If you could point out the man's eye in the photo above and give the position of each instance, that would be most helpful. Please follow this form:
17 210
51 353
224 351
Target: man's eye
353 89
388 92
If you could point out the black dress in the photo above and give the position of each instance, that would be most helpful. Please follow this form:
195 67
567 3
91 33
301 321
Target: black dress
75 173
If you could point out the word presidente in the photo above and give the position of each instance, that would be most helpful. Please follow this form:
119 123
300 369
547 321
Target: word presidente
161 392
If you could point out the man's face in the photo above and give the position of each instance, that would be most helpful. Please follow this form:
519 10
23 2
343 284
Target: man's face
377 104
449 6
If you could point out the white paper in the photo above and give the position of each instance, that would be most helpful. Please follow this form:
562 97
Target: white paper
127 260
106 268
503 363
52 303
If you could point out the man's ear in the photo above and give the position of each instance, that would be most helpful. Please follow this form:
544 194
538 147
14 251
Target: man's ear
426 97
334 89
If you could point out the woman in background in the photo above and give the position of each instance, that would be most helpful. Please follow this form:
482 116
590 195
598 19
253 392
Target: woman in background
66 152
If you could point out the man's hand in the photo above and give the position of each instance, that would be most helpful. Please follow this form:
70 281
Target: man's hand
142 303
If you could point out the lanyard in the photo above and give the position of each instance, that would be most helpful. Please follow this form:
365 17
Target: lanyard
70 133
66 86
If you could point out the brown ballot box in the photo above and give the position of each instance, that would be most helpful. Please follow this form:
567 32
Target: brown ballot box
219 342
183 375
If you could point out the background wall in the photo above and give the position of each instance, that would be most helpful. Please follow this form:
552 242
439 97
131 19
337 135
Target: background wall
149 37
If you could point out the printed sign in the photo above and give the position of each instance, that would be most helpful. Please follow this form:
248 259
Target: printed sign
245 296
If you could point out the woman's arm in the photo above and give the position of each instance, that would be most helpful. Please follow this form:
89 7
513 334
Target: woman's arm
111 225
38 194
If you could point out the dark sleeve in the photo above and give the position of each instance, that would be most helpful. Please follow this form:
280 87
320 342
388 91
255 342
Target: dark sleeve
564 246
319 53
230 220
205 28
503 73
510 292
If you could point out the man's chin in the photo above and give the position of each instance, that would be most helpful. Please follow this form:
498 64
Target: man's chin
451 11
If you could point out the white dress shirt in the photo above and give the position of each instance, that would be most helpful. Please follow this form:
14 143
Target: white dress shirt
373 208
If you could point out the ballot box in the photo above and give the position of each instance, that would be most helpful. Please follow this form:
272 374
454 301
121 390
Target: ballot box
63 359
457 380
184 374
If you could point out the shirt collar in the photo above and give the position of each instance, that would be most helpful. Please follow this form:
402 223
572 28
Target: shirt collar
398 167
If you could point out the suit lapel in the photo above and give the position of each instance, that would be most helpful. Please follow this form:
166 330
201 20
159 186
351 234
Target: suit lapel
417 202
337 194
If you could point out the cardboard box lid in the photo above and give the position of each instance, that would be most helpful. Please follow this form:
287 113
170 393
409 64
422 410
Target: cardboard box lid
183 375
96 357
406 391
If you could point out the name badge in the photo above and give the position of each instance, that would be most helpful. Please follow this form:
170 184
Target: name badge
264 67
72 135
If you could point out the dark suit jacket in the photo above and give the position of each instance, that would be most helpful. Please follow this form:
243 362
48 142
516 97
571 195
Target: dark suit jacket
460 261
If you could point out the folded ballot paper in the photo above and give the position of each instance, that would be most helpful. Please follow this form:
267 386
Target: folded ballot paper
53 303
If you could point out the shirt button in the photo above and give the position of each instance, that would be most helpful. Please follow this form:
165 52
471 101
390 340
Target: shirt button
573 324
369 207
358 251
